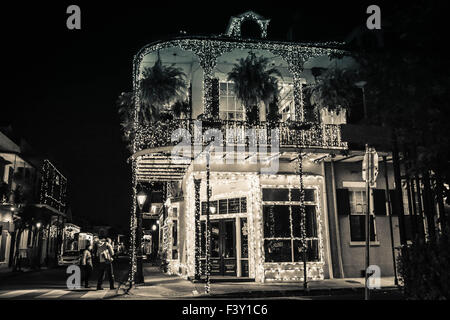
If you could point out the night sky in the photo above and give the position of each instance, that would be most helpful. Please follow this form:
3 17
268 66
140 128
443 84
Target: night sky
61 85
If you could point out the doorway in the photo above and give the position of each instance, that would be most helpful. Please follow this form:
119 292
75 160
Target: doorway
223 246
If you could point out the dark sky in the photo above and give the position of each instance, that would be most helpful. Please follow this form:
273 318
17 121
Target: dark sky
62 84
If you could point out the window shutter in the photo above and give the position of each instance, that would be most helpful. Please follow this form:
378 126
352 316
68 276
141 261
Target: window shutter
394 202
343 201
379 202
215 98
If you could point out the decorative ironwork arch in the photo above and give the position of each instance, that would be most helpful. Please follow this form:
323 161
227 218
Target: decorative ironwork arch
235 24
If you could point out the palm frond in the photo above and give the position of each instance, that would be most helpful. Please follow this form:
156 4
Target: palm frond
253 82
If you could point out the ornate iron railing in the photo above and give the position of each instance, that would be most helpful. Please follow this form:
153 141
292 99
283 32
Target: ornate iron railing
281 134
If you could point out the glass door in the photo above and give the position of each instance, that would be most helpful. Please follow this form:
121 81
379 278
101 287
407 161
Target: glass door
223 247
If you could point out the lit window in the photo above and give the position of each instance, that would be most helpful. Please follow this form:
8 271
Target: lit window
230 107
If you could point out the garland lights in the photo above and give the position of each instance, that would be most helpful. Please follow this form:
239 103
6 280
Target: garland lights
207 51
50 177
198 229
302 217
258 268
326 136
234 28
292 271
133 226
208 225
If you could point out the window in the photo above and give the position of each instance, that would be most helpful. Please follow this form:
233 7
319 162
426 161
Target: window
225 206
229 106
282 225
358 205
244 247
276 194
175 240
286 103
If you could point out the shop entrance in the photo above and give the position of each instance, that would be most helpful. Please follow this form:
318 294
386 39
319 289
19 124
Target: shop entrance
223 247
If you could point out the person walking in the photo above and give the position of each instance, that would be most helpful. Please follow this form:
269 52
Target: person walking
95 261
105 257
86 264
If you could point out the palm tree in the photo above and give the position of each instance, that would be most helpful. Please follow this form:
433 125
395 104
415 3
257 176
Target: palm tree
125 104
254 84
159 87
180 109
334 89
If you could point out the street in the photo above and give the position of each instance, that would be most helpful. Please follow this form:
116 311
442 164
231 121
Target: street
51 284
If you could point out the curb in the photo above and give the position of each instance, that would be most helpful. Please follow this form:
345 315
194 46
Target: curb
294 292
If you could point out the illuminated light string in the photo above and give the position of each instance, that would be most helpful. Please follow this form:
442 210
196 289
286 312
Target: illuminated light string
198 229
207 51
48 170
133 226
256 249
317 136
236 22
314 268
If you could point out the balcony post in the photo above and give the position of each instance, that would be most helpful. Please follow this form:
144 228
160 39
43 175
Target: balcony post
295 65
208 60
198 230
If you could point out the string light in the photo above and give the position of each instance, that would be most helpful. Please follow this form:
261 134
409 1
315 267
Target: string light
207 50
198 229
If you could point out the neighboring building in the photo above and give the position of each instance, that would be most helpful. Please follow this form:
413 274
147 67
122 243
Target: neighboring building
256 224
33 197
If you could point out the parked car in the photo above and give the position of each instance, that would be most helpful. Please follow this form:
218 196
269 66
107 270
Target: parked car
69 258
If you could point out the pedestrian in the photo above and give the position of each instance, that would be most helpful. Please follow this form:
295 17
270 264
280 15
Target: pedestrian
95 261
86 264
105 257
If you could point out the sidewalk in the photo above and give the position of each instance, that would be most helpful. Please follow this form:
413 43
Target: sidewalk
7 272
162 286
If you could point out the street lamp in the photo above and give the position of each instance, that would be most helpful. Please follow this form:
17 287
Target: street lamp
361 85
212 210
141 198
37 240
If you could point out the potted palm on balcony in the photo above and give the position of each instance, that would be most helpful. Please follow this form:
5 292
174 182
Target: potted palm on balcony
254 83
160 87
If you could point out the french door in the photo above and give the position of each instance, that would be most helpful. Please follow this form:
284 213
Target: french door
223 246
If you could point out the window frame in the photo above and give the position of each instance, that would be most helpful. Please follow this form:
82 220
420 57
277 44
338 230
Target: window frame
224 110
290 204
362 191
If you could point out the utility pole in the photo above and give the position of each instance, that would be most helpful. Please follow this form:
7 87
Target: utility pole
369 173
388 198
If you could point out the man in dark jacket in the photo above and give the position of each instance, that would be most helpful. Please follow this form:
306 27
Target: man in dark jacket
105 255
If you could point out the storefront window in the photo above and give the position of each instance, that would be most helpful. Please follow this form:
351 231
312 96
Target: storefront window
282 225
278 250
276 194
227 206
276 222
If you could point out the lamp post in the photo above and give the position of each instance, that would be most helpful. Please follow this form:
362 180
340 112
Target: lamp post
361 85
141 198
39 245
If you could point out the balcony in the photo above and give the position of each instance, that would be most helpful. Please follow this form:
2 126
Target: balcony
285 135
